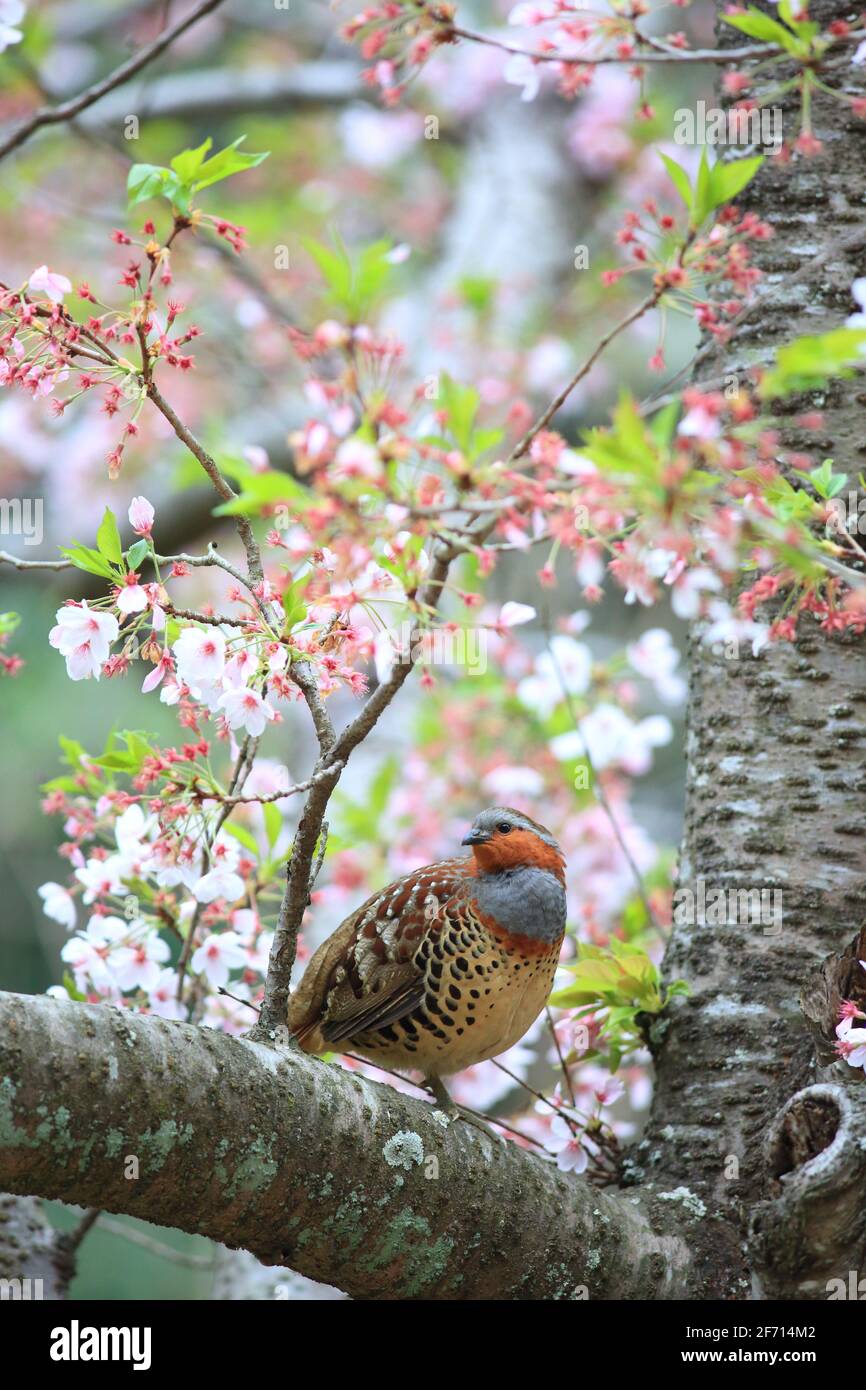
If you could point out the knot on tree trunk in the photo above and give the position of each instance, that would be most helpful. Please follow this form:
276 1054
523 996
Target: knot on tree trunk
808 1241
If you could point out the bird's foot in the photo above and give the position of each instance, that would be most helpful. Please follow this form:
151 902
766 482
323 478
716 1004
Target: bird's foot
453 1111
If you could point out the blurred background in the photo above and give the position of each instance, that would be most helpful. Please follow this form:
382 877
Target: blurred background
492 210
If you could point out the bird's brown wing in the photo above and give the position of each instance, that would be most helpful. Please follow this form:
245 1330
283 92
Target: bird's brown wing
364 977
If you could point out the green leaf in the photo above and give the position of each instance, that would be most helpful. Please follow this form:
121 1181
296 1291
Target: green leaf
761 26
460 404
187 164
702 189
727 180
72 989
664 422
231 160
90 560
810 362
825 482
108 538
353 284
244 837
8 623
679 178
152 181
258 491
273 823
136 553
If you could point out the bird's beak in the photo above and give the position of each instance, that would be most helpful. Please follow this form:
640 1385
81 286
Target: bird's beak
476 837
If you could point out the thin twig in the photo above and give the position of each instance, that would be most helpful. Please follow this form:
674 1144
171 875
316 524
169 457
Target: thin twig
56 115
561 397
13 560
155 1247
601 794
565 1072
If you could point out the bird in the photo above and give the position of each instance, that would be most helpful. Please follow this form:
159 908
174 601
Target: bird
447 966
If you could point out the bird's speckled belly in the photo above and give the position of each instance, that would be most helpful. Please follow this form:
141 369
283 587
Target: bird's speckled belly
481 996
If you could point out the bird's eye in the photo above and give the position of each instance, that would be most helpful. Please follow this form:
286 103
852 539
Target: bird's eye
504 827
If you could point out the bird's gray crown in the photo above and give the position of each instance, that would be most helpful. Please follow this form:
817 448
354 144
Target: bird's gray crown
488 823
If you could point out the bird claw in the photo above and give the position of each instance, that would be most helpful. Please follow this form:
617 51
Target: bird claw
453 1111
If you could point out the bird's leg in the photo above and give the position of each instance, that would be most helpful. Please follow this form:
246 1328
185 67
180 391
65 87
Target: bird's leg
449 1106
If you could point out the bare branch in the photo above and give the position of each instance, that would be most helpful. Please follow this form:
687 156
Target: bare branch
67 110
16 563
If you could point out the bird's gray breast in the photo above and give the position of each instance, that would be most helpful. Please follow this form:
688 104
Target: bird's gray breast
530 901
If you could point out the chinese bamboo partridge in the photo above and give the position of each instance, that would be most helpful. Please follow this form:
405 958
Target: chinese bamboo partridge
449 965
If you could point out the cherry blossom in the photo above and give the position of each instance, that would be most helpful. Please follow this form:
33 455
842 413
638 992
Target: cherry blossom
58 904
141 516
221 880
571 1156
11 14
522 72
200 655
132 597
89 953
852 1047
217 956
655 657
506 783
245 708
138 965
611 738
566 667
101 878
84 637
43 280
162 997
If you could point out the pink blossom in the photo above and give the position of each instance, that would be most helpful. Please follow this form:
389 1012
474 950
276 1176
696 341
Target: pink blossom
49 283
83 636
200 655
154 677
131 597
141 516
58 904
217 956
240 667
88 952
246 709
522 72
853 1047
571 1156
513 614
163 999
101 878
138 965
11 14
506 782
655 657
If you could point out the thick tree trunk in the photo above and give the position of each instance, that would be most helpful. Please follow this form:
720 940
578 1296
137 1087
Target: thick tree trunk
775 756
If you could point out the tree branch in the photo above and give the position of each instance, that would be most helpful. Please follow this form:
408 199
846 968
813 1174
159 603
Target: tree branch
343 1179
67 110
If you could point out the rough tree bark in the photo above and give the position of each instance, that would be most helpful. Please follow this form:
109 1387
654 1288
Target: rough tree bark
774 783
344 1180
751 1180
